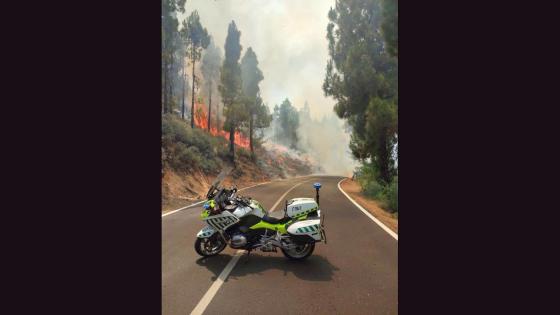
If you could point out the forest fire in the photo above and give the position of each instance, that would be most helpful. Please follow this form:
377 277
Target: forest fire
201 121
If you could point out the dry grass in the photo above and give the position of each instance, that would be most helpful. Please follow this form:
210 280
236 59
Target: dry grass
182 189
179 190
354 189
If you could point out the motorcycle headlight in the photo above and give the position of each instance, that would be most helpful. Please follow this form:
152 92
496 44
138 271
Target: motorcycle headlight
208 206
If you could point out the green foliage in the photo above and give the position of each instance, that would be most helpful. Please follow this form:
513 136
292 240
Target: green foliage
184 148
392 194
244 153
368 180
381 126
362 76
236 114
235 103
251 75
387 194
195 36
230 84
263 118
171 49
287 123
390 25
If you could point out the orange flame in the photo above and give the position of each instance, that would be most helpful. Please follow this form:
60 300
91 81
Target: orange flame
201 121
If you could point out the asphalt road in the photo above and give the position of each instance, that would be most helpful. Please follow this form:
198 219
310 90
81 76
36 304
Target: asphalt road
356 272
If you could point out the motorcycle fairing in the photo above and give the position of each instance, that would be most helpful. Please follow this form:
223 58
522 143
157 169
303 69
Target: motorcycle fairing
207 231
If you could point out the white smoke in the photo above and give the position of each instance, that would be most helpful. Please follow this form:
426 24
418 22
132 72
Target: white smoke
327 142
289 38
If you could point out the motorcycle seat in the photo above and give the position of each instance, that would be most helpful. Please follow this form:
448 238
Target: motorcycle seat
273 220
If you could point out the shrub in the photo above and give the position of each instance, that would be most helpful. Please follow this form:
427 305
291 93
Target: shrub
185 148
387 195
241 152
210 166
366 178
237 172
372 189
392 194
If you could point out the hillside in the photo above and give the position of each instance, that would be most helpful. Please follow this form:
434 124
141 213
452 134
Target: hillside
191 158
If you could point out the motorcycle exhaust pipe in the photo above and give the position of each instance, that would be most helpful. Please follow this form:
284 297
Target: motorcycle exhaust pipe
273 243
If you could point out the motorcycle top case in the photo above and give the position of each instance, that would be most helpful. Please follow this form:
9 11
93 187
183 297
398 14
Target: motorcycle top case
306 227
301 206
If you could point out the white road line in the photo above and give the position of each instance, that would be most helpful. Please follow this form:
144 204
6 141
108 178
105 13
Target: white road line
209 295
191 205
201 306
197 203
374 219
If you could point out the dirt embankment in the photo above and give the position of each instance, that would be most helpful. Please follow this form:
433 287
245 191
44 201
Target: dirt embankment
180 189
354 189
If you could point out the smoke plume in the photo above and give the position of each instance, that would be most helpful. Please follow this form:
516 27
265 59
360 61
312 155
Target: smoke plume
288 37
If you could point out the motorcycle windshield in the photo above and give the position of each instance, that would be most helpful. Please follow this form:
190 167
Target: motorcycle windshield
225 172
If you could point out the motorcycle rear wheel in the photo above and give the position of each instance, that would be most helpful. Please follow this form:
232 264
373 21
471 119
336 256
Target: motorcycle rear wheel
300 252
209 246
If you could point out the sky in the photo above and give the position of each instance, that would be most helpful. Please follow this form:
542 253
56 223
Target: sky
289 38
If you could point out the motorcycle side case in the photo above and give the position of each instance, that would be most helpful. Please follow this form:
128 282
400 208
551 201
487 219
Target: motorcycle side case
310 228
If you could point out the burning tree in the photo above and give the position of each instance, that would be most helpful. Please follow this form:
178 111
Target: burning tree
196 38
211 71
201 121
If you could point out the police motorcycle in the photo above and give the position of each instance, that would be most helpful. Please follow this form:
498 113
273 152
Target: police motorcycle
242 223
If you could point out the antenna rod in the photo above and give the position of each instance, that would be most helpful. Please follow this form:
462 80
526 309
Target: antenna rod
317 187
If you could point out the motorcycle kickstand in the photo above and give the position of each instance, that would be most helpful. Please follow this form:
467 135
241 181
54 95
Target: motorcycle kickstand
248 253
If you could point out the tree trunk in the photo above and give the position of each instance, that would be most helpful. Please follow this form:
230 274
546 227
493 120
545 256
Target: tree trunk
170 85
251 133
218 126
232 143
170 100
209 104
192 105
384 158
184 81
165 85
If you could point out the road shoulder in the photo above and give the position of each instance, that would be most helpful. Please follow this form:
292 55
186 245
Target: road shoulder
353 189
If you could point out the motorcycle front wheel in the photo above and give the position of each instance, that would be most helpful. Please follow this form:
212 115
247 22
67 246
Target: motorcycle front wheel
209 246
300 252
